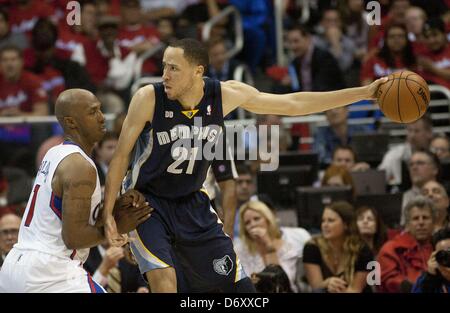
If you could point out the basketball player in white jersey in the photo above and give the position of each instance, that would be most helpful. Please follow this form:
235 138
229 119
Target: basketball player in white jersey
60 221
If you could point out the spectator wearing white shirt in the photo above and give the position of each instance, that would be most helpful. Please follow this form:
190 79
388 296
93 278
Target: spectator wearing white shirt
262 243
418 137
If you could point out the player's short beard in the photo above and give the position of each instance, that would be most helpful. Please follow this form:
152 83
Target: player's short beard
187 89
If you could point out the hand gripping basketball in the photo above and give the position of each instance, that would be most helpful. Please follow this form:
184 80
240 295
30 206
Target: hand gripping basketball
404 98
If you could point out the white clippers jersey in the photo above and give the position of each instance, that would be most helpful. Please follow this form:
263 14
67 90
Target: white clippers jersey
41 227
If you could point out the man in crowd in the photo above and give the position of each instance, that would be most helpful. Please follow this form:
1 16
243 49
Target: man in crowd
338 133
345 156
419 134
423 167
9 229
403 258
436 279
21 94
437 193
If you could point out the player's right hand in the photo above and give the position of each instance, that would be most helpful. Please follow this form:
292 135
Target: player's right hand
131 210
112 235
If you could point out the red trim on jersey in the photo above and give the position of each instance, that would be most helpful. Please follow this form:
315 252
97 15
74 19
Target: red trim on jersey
74 252
91 284
32 205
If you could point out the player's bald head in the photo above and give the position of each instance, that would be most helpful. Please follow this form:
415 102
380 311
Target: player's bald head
71 102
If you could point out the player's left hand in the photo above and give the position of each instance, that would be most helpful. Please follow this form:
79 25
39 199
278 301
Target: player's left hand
372 89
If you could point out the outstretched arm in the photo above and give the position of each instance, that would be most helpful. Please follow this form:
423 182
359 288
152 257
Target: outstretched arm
236 94
140 112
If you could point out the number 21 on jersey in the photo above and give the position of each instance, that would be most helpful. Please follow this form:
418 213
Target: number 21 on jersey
180 155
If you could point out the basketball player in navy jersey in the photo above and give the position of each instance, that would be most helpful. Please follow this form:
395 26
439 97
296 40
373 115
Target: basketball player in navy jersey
182 247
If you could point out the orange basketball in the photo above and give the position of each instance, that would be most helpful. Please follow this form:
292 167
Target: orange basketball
404 98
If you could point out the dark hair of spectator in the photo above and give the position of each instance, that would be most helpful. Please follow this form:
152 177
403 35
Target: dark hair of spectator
408 57
5 14
441 234
273 279
304 30
380 236
347 148
335 9
194 51
346 212
37 36
243 169
348 17
11 48
435 23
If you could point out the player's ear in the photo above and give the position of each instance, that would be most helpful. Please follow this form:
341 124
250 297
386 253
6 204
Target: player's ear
70 123
200 70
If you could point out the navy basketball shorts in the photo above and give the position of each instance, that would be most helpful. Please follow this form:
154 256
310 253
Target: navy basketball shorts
186 234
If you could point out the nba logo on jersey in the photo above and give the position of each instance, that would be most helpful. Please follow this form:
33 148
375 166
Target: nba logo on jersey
208 110
169 114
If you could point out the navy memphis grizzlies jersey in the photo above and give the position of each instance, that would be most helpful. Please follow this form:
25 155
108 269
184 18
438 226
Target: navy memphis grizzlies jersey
168 159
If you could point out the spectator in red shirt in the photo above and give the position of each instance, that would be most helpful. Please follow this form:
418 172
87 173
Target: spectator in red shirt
136 36
110 66
396 15
25 14
7 37
403 258
21 92
51 64
435 62
396 54
72 38
415 18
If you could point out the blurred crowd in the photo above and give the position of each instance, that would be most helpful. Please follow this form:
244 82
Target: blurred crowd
46 48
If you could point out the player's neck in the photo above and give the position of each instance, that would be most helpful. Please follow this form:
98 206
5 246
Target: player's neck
192 98
87 147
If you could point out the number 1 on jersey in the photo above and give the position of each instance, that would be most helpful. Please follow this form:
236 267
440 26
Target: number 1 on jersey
181 154
32 204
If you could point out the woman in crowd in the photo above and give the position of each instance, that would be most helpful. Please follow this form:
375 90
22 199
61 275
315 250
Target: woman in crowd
371 228
336 261
263 243
395 55
336 175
